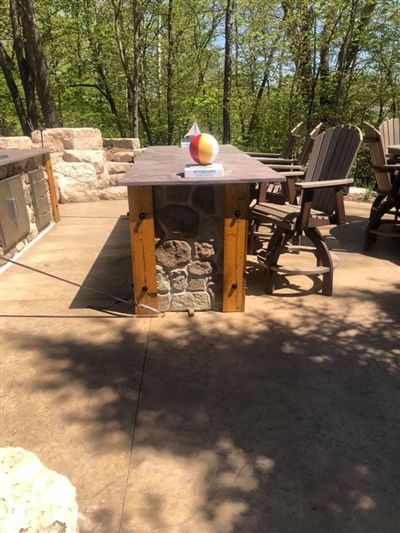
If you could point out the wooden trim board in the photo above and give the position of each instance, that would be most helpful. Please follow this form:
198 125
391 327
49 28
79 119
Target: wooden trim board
236 214
142 236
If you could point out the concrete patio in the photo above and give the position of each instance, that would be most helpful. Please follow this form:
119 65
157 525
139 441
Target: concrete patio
283 419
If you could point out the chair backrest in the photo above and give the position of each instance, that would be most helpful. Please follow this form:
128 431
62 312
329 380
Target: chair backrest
291 141
373 140
332 157
307 146
390 131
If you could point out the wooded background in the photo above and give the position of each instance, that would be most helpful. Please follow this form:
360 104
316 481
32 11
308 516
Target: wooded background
245 70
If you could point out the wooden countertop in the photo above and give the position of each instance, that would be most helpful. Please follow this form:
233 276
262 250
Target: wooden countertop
164 165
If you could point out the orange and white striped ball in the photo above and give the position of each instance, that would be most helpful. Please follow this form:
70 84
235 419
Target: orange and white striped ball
203 148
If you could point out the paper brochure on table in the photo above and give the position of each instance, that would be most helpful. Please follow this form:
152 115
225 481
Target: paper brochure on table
213 170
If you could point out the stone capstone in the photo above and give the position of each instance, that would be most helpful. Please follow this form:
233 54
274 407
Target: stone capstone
60 139
33 498
22 143
173 253
128 143
179 220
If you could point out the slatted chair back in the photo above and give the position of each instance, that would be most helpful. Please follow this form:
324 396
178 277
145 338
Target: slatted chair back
332 157
291 141
307 146
390 131
373 140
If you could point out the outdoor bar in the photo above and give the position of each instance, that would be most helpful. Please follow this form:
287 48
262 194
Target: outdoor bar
189 235
27 195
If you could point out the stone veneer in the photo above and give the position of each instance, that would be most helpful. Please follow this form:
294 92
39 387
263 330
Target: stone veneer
189 228
86 166
22 168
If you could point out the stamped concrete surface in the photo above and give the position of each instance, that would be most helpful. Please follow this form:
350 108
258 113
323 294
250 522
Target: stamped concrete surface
281 419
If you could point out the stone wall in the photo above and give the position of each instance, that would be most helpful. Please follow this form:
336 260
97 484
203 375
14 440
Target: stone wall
86 167
189 227
22 168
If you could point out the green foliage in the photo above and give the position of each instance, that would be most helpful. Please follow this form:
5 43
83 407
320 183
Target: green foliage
292 60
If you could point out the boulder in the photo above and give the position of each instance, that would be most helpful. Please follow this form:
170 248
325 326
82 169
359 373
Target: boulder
117 168
22 143
123 157
34 499
114 178
128 143
113 193
60 139
94 157
56 157
77 182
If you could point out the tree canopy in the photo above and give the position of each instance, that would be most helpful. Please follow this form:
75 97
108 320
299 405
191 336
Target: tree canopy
245 71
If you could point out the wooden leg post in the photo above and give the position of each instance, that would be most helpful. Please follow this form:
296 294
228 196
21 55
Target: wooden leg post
142 235
237 198
52 188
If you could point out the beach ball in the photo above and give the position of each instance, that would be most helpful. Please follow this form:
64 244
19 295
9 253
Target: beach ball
203 148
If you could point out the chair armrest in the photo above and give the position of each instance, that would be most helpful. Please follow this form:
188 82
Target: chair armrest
287 168
321 184
295 174
253 203
276 161
383 168
263 154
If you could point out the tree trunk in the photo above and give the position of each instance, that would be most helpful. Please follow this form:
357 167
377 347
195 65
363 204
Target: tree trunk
26 74
170 108
136 67
226 117
42 81
6 67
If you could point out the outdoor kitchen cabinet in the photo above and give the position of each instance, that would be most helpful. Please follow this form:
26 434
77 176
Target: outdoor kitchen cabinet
14 221
40 198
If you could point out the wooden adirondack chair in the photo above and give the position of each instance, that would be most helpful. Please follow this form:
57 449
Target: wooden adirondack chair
284 164
280 193
386 206
292 168
390 132
287 149
321 204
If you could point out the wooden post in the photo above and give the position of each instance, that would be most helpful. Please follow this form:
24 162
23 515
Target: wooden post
142 235
52 188
237 198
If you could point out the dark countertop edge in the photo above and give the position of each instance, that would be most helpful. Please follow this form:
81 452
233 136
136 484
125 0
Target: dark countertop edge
22 155
133 182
